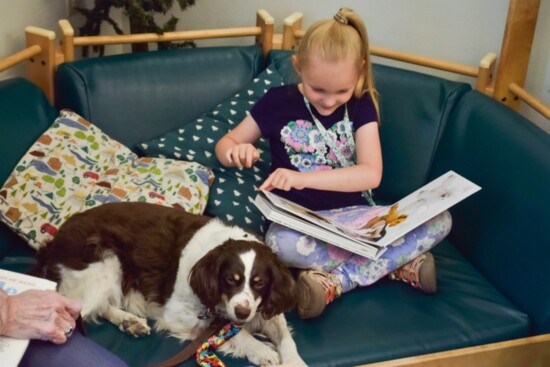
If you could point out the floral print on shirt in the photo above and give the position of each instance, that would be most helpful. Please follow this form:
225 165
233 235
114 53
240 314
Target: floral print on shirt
307 149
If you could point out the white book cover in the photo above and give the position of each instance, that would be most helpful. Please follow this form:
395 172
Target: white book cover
12 350
386 227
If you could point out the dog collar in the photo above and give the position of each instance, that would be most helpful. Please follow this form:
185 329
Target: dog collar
208 313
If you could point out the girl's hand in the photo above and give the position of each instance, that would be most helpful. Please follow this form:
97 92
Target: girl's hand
235 148
36 314
284 179
242 155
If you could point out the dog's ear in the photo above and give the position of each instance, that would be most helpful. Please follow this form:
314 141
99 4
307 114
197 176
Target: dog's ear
282 294
204 278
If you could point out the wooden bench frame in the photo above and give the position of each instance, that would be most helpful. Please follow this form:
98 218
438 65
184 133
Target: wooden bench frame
43 55
263 31
533 351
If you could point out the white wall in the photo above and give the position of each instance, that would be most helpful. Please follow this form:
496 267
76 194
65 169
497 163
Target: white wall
538 76
16 15
459 31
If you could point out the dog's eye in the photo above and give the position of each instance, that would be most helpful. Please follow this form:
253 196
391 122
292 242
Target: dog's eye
258 284
233 279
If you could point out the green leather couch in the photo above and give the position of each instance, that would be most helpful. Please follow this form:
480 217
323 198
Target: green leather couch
493 282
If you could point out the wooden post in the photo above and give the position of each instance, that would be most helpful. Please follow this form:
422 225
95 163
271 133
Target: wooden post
291 24
41 68
516 49
265 38
485 74
67 40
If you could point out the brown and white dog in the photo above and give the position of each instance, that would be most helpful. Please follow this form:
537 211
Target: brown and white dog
130 261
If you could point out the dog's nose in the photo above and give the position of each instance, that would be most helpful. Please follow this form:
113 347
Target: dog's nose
242 312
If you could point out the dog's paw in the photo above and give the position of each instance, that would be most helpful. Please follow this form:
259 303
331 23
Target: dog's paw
135 326
263 355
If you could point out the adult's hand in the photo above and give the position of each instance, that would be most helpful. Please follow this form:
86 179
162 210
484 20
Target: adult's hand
37 314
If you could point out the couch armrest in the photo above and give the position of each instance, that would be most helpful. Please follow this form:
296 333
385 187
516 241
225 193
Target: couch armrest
503 229
24 115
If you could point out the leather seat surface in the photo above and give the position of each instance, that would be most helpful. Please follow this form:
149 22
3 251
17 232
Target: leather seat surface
508 156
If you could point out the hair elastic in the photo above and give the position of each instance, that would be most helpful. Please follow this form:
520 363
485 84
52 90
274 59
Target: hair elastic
340 18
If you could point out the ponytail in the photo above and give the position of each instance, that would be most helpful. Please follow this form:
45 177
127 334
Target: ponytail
339 38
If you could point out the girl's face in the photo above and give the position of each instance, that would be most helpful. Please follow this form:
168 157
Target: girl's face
327 84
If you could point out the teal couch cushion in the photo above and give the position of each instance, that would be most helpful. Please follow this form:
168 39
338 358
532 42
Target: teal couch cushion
136 97
24 115
503 229
414 109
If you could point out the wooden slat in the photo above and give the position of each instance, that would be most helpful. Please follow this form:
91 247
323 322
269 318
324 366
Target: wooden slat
168 36
529 352
19 57
424 61
531 100
263 32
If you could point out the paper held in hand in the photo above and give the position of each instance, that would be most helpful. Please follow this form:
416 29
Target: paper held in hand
12 350
371 239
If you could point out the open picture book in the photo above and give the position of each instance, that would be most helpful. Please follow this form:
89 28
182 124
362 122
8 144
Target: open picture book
373 237
12 350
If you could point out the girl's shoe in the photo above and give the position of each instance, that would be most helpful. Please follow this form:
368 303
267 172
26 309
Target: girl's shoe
316 289
420 273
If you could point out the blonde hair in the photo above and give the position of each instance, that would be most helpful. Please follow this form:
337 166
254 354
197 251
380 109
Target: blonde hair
340 38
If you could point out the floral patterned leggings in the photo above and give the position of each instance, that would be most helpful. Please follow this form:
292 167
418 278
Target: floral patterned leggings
305 252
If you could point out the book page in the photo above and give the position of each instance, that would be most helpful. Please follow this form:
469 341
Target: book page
12 350
417 208
301 211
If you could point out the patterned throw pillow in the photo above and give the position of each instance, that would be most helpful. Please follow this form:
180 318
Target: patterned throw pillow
233 191
74 166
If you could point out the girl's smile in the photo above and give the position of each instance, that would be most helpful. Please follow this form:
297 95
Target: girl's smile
328 84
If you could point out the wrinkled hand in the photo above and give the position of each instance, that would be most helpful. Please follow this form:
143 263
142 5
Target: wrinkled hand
36 314
283 179
243 155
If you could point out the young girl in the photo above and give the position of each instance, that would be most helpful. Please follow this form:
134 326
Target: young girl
326 156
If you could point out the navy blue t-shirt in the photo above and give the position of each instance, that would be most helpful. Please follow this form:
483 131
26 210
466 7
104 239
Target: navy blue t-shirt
295 142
